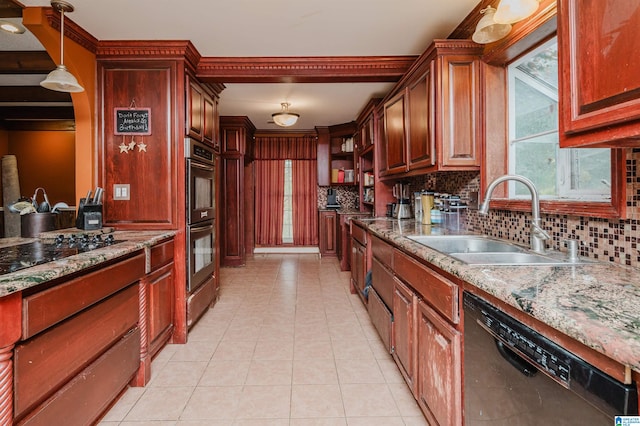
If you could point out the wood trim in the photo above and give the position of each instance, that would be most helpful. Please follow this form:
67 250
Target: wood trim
149 49
312 69
72 31
27 62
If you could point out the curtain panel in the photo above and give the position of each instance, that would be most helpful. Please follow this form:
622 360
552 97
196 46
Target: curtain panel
269 195
285 148
305 202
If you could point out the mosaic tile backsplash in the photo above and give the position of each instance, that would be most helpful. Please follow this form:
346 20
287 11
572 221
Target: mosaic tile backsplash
347 196
602 239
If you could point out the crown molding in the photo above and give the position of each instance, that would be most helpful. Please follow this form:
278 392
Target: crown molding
316 69
149 49
72 30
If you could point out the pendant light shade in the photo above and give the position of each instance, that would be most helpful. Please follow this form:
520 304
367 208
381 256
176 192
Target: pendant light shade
488 30
285 118
60 79
511 11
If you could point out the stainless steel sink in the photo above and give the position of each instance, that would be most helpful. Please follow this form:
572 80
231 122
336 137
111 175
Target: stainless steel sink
466 244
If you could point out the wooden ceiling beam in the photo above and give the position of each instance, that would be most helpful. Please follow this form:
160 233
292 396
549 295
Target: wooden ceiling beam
318 69
37 113
32 94
26 62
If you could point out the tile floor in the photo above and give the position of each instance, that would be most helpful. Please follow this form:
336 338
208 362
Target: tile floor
286 344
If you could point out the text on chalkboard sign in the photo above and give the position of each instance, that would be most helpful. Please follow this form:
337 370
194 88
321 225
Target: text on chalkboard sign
132 121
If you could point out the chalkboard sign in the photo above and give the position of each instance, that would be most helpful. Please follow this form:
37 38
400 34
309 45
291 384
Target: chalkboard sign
132 121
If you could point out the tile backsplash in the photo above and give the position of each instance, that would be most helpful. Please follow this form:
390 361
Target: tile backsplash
609 240
347 196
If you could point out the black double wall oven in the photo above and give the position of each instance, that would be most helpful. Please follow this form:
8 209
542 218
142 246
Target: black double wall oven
201 207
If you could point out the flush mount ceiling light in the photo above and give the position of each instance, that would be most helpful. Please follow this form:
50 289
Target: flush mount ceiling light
285 118
511 11
60 79
12 28
488 30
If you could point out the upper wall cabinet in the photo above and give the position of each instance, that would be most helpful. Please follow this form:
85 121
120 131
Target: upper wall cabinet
202 115
599 78
432 118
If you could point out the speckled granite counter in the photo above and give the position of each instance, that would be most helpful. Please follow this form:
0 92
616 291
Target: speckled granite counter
594 303
35 275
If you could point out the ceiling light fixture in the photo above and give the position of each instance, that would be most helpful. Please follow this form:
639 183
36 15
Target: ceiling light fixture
285 118
12 28
60 79
488 30
511 11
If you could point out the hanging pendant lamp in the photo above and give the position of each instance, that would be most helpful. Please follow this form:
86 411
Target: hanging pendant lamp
285 118
60 79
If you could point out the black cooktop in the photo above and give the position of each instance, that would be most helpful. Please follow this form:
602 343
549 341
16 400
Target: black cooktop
27 255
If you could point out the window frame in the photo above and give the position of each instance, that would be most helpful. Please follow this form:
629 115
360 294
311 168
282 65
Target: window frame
496 150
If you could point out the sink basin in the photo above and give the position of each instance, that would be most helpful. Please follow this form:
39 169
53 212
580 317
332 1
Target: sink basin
512 259
466 244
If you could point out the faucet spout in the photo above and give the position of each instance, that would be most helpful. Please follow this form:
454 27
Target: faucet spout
538 235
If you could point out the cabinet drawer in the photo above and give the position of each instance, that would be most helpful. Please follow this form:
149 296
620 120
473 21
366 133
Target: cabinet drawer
161 254
382 251
381 318
359 234
48 307
44 363
382 281
433 288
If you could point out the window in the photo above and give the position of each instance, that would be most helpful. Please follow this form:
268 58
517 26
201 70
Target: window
559 174
287 219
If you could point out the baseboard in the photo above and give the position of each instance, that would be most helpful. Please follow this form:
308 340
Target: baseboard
258 250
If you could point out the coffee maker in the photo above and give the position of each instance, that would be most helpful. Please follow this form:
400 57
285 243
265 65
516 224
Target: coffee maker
332 199
402 193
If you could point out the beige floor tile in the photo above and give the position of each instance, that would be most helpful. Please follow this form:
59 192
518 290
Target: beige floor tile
151 423
230 349
270 372
375 421
158 403
390 371
316 401
264 402
178 374
309 348
415 421
347 349
225 373
405 401
204 423
194 351
368 400
337 421
314 372
262 422
274 349
124 405
213 403
359 371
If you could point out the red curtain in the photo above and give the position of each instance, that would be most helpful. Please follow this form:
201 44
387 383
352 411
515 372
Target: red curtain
305 202
285 148
269 195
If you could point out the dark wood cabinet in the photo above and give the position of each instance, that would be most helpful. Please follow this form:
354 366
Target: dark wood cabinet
599 92
359 259
439 375
327 232
195 110
403 337
395 130
211 132
432 118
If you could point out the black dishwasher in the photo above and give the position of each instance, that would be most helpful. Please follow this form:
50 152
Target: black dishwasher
515 376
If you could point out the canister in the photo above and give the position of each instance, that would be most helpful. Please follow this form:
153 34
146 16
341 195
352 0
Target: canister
427 204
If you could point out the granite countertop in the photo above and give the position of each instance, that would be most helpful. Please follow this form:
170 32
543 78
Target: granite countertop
595 303
35 275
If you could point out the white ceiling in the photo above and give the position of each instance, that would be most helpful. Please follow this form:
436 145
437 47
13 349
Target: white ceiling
280 28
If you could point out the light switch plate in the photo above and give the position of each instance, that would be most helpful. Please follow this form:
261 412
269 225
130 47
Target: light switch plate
121 191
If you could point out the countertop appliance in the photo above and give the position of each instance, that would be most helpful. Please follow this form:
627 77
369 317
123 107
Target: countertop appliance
332 199
21 256
516 376
403 196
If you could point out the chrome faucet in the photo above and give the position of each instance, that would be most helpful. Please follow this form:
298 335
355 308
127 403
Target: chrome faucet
538 235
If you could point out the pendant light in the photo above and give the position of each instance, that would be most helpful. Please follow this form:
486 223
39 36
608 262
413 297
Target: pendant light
285 118
60 79
488 30
512 11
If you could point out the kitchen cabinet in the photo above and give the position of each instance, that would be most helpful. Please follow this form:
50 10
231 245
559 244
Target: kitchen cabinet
327 232
432 116
439 375
343 237
236 143
341 156
359 259
60 360
403 338
202 115
599 87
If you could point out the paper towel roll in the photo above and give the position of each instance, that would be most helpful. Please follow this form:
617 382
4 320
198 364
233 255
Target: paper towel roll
10 194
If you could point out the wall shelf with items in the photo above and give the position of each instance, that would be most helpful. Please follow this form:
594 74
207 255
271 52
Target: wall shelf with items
341 154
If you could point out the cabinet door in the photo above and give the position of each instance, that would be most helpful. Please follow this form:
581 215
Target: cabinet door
599 63
161 285
327 233
439 376
195 111
403 331
208 119
459 120
358 266
395 135
421 147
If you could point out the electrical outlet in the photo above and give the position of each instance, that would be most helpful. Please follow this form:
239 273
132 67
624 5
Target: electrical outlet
121 191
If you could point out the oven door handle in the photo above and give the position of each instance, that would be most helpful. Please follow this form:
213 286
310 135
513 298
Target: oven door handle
201 166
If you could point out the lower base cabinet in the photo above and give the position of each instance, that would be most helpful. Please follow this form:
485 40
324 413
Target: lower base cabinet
381 317
439 375
404 339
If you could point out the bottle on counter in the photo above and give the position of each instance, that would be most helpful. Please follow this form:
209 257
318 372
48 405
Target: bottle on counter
426 199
